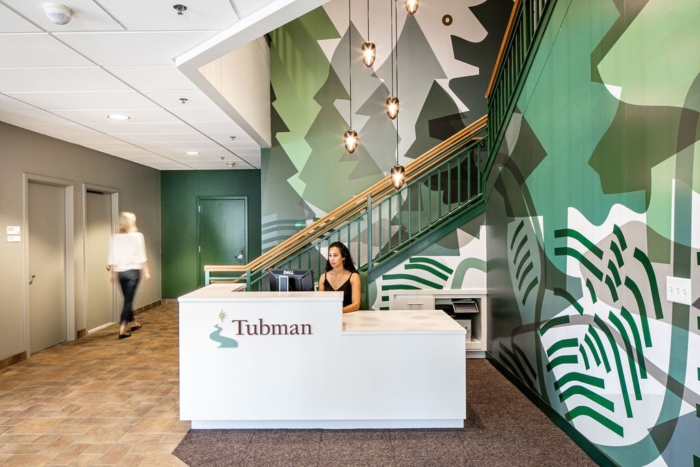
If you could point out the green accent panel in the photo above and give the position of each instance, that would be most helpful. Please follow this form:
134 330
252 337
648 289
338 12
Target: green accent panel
562 344
637 342
385 298
432 262
179 192
632 285
523 260
591 290
616 275
561 233
592 348
601 348
618 254
618 364
659 212
629 63
562 360
617 231
611 287
696 461
400 287
529 289
515 234
521 245
589 412
630 354
698 257
640 256
697 410
411 277
554 322
698 322
587 393
462 268
582 350
581 378
427 268
561 251
569 298
525 273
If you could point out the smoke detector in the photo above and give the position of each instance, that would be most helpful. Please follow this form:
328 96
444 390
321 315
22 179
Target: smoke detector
57 13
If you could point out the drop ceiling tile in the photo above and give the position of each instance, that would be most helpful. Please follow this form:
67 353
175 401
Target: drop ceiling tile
225 139
204 154
29 117
116 147
182 146
86 100
246 7
160 15
155 78
144 139
96 138
37 49
219 128
87 16
12 22
171 99
202 115
62 129
10 103
253 161
246 152
142 128
81 79
91 117
134 48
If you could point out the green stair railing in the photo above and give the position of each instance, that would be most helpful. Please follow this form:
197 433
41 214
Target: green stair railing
440 185
520 42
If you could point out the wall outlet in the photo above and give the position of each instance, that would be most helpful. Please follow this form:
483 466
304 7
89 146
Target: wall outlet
678 290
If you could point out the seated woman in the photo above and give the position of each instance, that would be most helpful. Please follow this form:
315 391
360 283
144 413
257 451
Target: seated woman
341 275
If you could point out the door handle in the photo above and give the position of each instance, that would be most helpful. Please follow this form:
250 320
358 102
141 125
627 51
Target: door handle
31 279
108 267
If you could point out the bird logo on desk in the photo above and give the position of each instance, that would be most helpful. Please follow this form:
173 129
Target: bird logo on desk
224 342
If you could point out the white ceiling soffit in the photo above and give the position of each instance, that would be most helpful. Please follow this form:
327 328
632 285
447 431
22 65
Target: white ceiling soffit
128 57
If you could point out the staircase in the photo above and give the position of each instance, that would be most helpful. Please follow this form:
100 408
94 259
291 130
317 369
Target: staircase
383 226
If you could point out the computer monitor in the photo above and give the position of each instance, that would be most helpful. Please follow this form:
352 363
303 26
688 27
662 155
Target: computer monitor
291 280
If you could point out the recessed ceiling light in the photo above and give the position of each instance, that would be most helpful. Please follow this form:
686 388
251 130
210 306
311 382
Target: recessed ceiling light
192 153
118 117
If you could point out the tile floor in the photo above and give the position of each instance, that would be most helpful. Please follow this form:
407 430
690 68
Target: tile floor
97 400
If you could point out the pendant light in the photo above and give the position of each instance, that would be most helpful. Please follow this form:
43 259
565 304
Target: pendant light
398 171
411 6
350 139
369 51
392 102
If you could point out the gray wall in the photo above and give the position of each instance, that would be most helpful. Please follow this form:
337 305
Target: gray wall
24 152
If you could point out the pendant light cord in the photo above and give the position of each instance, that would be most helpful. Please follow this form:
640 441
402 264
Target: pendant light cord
368 21
350 56
396 49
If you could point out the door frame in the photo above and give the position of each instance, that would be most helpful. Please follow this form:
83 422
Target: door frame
114 215
198 252
69 253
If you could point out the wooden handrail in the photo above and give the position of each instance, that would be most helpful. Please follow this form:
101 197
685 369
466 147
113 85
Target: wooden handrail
502 51
356 204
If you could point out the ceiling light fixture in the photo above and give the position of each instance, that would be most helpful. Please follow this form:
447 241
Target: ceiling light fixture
350 138
57 13
118 117
230 164
181 8
411 6
183 100
369 50
192 153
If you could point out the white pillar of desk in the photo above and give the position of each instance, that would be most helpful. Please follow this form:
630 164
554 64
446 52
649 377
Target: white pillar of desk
294 360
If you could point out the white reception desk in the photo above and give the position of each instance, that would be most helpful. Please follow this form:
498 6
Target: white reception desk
294 360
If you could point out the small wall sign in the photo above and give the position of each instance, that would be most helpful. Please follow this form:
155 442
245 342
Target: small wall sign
13 230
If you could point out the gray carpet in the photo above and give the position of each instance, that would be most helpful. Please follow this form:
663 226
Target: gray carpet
503 428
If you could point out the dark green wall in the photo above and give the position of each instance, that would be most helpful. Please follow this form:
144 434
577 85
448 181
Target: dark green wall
179 192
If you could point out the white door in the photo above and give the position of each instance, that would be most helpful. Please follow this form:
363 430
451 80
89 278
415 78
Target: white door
98 214
47 265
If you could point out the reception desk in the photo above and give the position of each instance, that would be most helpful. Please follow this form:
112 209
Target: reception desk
294 360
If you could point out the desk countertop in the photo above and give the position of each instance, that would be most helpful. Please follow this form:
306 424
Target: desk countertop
399 322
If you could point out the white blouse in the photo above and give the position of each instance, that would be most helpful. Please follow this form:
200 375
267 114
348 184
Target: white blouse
127 251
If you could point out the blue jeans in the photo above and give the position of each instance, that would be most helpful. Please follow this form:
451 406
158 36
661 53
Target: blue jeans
128 280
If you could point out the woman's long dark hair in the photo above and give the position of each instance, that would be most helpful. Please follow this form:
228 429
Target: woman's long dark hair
345 254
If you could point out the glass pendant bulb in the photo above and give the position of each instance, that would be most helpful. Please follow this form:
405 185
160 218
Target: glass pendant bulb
369 53
351 140
411 6
398 176
392 107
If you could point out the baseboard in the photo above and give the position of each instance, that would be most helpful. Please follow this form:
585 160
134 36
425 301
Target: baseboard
170 301
589 448
148 307
81 333
20 357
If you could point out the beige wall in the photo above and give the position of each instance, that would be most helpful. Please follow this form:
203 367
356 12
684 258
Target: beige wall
24 152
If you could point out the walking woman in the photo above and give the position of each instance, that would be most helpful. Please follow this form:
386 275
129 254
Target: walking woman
127 261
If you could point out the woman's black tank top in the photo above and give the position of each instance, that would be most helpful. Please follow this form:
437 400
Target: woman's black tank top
346 288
